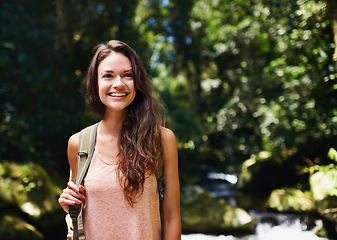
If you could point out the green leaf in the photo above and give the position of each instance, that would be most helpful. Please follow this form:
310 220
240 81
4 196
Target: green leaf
332 154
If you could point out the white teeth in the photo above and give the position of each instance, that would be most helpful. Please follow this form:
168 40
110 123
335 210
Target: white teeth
117 94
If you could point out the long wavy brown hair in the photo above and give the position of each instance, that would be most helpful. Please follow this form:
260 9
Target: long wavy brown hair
140 136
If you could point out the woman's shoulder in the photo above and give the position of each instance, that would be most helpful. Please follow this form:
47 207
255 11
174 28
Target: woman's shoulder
169 148
73 141
167 133
167 136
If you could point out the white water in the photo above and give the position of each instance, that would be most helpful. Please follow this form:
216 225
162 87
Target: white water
264 231
287 227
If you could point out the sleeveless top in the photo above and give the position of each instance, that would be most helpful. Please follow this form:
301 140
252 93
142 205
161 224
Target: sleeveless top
108 215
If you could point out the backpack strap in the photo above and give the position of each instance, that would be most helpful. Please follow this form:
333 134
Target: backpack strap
86 147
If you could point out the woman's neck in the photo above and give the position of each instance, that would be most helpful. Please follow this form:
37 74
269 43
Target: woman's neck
112 122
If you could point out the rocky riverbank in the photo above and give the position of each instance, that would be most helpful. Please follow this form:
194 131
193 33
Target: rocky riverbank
29 207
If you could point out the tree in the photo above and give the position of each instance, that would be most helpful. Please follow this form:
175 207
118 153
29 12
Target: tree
241 77
45 49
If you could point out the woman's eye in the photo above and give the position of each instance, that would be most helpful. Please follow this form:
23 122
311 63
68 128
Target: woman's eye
128 75
107 76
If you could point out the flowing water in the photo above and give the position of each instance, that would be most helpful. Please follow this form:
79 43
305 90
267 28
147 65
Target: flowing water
288 230
270 226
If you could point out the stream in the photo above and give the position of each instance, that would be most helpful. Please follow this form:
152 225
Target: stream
270 226
290 228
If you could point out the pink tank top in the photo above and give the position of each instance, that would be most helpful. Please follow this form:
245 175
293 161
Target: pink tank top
108 215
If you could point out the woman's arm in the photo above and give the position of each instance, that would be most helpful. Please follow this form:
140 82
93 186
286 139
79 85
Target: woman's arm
171 203
72 194
72 154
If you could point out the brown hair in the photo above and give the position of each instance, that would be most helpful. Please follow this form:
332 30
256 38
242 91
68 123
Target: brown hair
140 136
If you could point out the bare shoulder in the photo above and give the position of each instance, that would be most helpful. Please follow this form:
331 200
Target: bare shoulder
73 140
167 135
169 147
72 154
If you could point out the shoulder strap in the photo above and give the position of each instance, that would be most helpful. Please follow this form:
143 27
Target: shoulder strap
86 146
160 178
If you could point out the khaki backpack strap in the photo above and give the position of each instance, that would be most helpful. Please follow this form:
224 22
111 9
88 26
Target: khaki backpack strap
80 227
86 147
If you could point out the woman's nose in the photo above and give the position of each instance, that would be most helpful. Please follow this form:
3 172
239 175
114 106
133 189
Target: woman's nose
118 81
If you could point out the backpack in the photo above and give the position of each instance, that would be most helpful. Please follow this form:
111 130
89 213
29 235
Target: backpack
86 147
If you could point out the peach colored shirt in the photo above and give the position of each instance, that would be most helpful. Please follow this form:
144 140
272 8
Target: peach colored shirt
108 215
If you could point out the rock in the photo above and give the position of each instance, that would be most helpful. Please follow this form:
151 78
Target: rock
290 200
200 212
29 188
262 173
13 228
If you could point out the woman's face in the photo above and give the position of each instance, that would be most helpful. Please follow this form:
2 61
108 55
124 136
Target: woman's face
115 82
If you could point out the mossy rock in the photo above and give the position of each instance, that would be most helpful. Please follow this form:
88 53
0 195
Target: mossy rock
30 188
290 200
263 173
13 227
200 212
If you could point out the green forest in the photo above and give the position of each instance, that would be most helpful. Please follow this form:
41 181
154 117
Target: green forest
249 88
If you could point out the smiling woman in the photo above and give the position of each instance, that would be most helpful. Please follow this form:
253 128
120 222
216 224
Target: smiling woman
130 145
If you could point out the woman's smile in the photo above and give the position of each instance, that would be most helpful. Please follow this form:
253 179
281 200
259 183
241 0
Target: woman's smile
117 94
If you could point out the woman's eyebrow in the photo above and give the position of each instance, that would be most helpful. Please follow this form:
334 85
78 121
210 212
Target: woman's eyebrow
107 71
110 71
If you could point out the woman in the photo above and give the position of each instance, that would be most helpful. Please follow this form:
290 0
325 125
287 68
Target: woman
119 192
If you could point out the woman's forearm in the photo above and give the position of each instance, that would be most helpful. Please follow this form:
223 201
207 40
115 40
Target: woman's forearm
172 229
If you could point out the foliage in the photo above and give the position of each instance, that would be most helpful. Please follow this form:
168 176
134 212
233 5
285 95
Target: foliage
291 200
332 154
326 175
247 76
323 179
237 77
45 49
